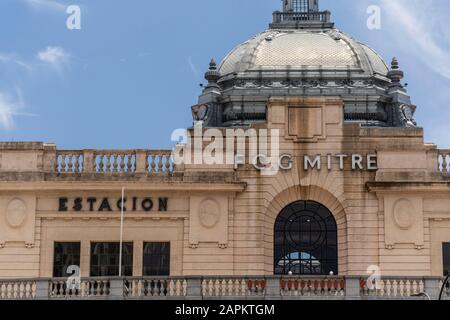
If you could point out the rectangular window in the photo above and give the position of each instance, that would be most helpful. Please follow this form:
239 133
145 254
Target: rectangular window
65 254
446 258
105 259
156 260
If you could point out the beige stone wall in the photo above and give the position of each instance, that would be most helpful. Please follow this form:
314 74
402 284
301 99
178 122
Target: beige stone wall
220 221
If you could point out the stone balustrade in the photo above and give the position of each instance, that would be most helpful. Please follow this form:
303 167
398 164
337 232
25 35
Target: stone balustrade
232 287
85 288
155 287
313 286
394 287
444 162
152 162
17 289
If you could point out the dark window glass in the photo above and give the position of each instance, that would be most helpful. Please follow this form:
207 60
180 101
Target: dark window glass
446 258
156 259
305 240
66 254
301 5
105 259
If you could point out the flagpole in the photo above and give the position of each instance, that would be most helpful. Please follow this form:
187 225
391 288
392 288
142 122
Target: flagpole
121 231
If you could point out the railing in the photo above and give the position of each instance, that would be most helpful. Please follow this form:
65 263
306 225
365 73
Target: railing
444 162
155 287
17 290
313 286
232 287
69 161
323 16
394 287
115 161
86 288
127 162
159 162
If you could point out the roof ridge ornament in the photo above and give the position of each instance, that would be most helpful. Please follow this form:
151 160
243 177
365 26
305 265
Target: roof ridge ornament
301 14
212 75
395 74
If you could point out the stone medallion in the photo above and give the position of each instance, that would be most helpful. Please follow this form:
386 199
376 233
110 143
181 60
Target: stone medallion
209 213
404 214
16 213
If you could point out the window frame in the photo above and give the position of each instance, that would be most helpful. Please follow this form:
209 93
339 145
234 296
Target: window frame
69 255
105 269
163 254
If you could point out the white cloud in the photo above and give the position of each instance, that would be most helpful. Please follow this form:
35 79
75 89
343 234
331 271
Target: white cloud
10 58
55 56
411 19
10 107
193 68
46 4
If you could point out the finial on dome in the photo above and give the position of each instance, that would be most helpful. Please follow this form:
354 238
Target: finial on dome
396 75
212 75
394 64
213 64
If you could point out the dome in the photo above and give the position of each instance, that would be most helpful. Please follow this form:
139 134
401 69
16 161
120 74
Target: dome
302 54
300 50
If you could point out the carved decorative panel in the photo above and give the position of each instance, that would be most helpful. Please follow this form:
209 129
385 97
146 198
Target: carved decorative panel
208 221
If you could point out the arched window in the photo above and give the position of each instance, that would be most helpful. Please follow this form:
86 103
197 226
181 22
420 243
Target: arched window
305 240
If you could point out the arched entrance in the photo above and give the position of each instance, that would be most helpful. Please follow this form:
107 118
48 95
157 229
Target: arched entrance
305 240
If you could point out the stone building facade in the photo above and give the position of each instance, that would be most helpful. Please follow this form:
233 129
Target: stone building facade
360 187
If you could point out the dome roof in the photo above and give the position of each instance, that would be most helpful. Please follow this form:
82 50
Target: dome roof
300 50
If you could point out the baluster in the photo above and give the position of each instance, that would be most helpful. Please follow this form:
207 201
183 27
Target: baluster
382 288
230 288
185 284
414 287
204 288
28 290
115 162
70 162
160 163
178 288
108 162
171 288
408 288
210 288
217 288
395 288
153 164
236 287
21 290
63 163
444 164
77 163
167 170
140 287
122 162
130 163
147 162
15 290
388 288
101 164
243 287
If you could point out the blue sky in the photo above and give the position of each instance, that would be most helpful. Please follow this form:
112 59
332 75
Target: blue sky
127 79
